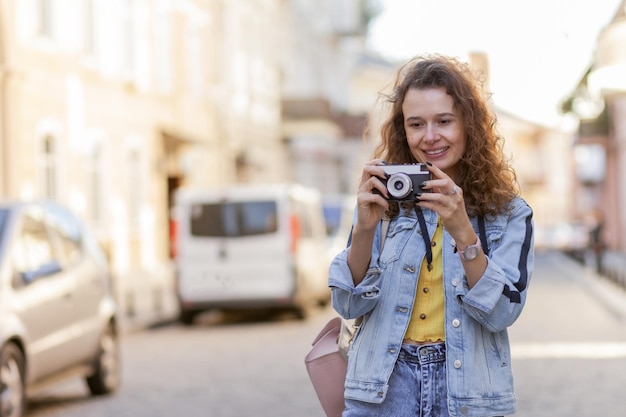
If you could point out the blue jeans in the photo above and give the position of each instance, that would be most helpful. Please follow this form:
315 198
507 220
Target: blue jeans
417 387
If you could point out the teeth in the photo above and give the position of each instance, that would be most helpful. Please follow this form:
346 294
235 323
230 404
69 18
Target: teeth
438 151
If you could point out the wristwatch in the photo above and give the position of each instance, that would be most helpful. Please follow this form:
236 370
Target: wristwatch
471 252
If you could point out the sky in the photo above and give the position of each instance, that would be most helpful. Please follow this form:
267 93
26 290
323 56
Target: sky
538 49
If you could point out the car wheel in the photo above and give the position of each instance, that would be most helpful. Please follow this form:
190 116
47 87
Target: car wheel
106 376
12 388
187 316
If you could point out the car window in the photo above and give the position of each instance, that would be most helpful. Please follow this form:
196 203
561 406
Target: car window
3 219
233 219
32 253
67 231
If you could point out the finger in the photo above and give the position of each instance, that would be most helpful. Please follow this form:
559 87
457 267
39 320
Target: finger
438 185
375 186
453 190
372 171
376 161
436 172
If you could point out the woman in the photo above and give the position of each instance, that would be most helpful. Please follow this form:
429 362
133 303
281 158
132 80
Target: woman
435 304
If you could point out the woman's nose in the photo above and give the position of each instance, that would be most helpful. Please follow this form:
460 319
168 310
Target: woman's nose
431 134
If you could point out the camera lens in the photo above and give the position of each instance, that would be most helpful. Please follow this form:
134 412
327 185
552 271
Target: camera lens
399 185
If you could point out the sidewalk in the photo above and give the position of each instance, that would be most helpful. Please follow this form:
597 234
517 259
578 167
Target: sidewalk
614 267
569 345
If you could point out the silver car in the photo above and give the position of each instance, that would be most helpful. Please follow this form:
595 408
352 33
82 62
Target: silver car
57 309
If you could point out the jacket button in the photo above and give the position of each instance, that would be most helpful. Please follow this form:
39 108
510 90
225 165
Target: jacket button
455 282
456 323
464 409
457 364
380 393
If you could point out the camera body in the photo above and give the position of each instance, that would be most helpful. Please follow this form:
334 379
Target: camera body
403 182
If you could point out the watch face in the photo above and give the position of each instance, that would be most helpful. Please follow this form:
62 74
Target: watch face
471 252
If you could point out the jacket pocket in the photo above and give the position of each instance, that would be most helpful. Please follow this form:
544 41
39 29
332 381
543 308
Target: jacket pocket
397 236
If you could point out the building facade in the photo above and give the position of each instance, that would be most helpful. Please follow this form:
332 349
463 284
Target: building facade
109 106
599 101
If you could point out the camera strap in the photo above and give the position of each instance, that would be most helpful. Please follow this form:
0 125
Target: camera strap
427 243
424 230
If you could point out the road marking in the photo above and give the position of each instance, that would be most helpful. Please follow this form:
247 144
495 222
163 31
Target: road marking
591 350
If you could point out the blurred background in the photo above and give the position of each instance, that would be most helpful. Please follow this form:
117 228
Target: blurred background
108 107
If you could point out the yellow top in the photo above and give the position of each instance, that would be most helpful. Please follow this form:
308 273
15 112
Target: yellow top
427 318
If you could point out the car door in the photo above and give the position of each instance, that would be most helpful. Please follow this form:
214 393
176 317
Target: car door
43 296
88 278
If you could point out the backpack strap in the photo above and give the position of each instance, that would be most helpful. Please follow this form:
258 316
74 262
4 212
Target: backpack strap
483 235
383 233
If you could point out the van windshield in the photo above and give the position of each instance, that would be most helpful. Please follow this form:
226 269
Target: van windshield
233 219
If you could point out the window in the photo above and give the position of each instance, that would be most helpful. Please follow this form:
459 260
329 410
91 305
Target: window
33 252
94 189
162 33
91 39
127 28
44 18
195 60
67 230
134 188
233 219
48 169
3 219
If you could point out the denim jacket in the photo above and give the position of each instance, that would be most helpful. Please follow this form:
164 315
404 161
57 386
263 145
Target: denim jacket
478 359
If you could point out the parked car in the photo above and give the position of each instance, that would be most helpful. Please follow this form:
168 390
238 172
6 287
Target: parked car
250 246
57 308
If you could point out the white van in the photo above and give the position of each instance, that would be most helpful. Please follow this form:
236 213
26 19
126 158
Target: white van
250 246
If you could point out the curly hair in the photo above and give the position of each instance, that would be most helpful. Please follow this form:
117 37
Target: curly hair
489 182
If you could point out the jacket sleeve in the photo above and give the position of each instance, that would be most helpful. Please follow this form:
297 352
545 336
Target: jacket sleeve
497 299
352 301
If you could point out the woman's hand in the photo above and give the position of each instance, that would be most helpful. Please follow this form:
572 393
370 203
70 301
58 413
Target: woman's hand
371 205
446 199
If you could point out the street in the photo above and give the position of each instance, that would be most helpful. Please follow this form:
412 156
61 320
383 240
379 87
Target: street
569 358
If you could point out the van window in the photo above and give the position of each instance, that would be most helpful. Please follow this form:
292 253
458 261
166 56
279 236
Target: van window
233 219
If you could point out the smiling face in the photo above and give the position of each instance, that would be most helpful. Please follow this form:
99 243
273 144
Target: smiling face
434 128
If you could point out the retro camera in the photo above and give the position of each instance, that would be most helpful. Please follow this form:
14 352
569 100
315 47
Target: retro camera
403 182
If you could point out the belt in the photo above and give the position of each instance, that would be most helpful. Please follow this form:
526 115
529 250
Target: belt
423 354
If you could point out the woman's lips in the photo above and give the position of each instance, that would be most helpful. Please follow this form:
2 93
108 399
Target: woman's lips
436 152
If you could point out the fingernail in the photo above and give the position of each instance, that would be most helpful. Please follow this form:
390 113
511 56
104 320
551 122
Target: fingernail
387 175
383 162
423 184
429 164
